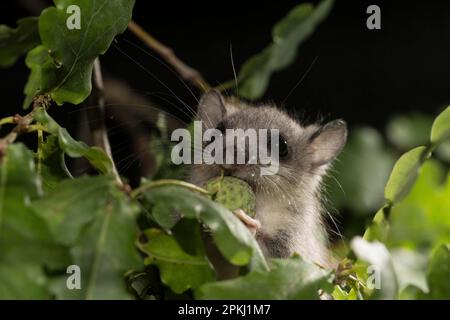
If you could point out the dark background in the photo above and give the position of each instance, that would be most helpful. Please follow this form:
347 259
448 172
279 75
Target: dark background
364 76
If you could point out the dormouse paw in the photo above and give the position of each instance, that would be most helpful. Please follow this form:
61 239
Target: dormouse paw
252 224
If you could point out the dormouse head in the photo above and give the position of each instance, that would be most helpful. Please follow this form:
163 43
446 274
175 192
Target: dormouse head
303 152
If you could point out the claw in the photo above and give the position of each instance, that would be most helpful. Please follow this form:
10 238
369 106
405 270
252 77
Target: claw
252 224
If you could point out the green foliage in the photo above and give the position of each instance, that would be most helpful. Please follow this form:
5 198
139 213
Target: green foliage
441 128
376 254
51 164
86 221
231 237
73 148
409 130
289 279
358 178
287 35
179 270
97 222
150 241
16 42
24 236
404 174
62 65
439 273
424 213
406 170
25 239
415 216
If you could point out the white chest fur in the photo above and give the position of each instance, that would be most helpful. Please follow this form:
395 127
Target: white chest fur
302 219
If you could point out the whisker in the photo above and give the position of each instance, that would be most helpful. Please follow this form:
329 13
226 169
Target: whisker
163 63
152 75
234 69
158 94
131 105
301 79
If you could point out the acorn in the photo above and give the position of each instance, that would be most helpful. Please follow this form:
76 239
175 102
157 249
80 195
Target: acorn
232 193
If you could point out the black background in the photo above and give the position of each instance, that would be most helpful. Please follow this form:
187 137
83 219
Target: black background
361 75
364 76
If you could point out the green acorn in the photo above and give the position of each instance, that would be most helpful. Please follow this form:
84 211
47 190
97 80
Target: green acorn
232 193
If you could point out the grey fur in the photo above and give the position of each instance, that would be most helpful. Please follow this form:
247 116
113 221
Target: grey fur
288 204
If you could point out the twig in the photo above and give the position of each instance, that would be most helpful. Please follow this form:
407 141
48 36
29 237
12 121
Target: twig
22 124
97 115
133 111
120 97
128 116
187 73
40 153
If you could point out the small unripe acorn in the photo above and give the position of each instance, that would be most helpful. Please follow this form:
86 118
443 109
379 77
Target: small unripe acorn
232 193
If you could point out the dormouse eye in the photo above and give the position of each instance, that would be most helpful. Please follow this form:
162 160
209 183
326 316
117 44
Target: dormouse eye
283 147
221 127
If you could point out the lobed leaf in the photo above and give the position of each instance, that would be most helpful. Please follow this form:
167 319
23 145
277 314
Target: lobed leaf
21 281
73 204
231 237
26 243
292 278
179 270
164 215
97 221
62 66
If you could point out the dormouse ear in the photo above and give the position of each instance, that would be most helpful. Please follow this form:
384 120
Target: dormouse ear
211 109
327 142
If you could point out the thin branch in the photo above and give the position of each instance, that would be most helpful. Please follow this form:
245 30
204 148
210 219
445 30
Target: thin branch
187 73
97 115
40 152
130 111
133 111
121 98
22 124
